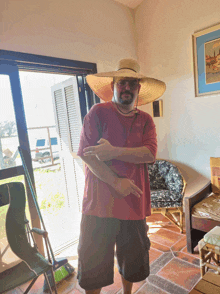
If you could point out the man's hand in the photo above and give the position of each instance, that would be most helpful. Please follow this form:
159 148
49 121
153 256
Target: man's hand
104 151
125 187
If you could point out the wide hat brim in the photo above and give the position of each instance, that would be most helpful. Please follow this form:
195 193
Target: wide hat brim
151 89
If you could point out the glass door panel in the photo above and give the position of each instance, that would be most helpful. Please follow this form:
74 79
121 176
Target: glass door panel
59 204
9 155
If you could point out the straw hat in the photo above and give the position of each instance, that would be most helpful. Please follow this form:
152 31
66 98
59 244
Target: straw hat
151 89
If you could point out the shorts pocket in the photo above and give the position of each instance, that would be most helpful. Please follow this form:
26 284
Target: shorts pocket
148 243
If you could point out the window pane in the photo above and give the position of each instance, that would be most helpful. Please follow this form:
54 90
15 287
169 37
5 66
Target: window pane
40 143
9 155
53 141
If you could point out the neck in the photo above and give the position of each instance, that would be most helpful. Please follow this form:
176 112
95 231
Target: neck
124 109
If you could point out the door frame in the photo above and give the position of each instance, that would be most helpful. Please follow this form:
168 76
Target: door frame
11 63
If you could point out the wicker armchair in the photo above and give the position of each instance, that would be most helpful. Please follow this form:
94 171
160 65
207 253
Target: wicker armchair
167 190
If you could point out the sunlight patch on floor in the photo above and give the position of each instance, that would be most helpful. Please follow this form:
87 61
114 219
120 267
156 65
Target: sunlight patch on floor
154 227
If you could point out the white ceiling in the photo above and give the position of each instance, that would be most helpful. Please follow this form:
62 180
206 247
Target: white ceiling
130 3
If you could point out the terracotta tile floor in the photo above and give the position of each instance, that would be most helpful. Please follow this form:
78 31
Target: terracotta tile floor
173 270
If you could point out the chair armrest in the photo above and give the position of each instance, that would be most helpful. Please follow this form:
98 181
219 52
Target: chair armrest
198 195
40 232
189 202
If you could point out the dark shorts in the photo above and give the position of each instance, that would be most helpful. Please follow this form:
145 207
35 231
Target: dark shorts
96 249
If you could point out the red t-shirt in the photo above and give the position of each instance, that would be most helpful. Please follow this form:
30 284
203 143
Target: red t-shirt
100 199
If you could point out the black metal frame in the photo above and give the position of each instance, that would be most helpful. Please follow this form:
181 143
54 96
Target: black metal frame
12 62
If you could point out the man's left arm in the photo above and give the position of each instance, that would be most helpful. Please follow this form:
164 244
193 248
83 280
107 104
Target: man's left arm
133 155
144 154
105 151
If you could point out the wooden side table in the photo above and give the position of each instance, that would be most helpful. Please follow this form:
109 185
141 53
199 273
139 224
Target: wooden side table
209 250
209 284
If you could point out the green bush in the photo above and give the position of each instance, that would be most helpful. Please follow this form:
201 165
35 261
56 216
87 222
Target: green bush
53 202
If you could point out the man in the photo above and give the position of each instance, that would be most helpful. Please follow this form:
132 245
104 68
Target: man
117 141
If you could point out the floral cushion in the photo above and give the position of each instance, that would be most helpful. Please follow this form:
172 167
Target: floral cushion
157 180
165 198
166 184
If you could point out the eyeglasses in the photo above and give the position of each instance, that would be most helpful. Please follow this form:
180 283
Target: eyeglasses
133 84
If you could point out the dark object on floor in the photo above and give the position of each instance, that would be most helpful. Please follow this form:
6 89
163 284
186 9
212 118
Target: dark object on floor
30 264
167 186
62 269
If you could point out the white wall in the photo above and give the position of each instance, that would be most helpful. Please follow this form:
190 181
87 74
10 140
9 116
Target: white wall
189 132
94 31
102 31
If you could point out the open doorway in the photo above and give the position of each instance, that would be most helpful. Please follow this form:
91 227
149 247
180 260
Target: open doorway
59 181
58 201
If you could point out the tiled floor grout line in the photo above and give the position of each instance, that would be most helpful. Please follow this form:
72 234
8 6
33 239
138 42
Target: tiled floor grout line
181 258
188 262
176 242
158 288
188 252
164 264
171 283
141 286
173 253
189 255
161 245
173 231
195 283
158 249
170 248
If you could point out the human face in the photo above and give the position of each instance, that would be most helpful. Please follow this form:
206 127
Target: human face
126 90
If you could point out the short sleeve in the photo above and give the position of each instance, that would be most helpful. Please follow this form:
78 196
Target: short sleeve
150 136
90 133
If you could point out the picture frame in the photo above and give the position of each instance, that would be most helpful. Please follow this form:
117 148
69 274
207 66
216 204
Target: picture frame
157 108
206 49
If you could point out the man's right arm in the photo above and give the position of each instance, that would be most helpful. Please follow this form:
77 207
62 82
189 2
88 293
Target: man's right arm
123 186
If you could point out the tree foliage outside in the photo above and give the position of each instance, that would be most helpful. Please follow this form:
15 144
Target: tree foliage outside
7 130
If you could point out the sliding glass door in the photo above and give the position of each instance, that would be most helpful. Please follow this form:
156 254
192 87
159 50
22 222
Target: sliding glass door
55 99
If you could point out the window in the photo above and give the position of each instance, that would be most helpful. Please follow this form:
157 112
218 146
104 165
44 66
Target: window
40 143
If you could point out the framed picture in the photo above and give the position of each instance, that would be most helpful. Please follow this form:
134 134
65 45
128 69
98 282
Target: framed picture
206 45
157 108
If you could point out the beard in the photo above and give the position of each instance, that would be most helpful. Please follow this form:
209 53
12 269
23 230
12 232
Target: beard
127 100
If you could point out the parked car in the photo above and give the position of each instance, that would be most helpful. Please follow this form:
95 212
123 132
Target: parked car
43 149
